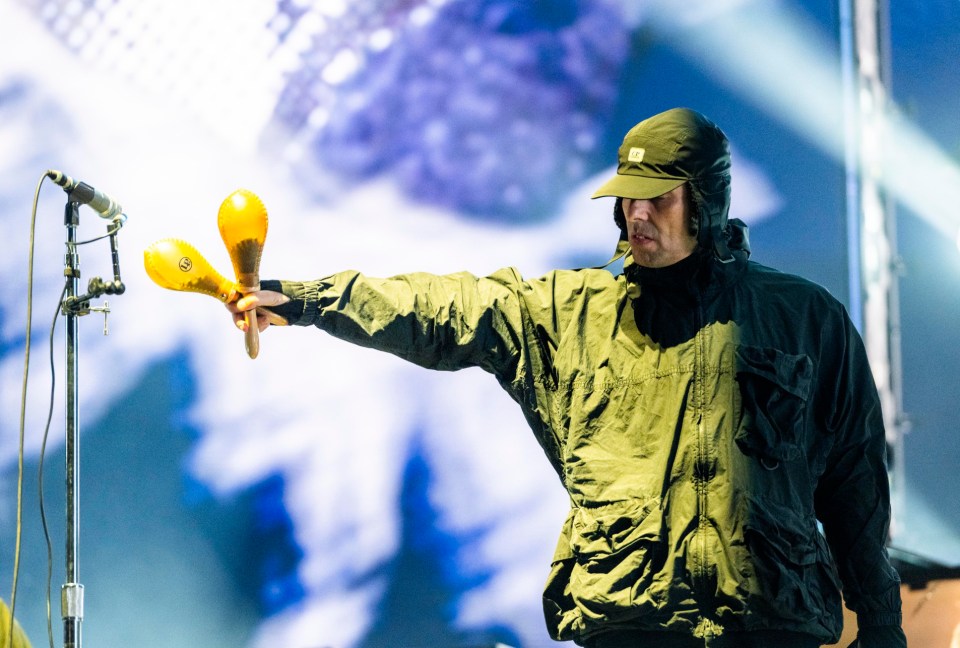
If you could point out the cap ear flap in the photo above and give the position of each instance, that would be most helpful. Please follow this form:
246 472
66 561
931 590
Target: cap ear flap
711 192
620 218
712 198
701 228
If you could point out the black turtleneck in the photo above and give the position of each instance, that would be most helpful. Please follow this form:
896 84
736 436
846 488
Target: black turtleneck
681 276
670 305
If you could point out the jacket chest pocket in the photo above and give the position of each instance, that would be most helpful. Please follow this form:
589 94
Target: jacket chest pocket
773 389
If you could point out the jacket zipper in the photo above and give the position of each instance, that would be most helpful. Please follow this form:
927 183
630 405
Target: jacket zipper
702 451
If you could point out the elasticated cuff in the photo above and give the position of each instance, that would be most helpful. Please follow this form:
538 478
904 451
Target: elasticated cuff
881 636
879 619
293 310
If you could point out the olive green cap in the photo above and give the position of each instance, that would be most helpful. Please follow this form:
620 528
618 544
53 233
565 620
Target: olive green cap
662 152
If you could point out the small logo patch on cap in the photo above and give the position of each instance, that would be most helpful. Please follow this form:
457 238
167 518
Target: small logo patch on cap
636 154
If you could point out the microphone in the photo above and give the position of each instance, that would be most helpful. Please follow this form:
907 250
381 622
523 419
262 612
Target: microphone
84 194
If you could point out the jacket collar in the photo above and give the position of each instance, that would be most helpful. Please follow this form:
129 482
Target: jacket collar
699 274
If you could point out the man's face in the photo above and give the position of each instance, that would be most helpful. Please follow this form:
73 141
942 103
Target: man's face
658 228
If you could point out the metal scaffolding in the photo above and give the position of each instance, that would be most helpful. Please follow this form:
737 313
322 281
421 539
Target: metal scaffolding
873 263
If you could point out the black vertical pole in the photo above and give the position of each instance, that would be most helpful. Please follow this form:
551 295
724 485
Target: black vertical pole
71 594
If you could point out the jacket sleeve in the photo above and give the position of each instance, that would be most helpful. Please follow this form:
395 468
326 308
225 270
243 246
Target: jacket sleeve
443 322
852 497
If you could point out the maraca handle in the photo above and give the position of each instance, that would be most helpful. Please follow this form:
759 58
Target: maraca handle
251 339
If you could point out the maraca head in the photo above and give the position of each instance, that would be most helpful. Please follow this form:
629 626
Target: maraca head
177 265
242 220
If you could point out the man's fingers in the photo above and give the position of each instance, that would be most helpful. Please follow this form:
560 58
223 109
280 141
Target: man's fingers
261 298
265 318
241 322
271 298
271 317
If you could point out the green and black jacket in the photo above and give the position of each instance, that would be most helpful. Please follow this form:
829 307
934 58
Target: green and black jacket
702 419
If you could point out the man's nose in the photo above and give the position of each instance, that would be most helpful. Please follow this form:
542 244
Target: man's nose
638 210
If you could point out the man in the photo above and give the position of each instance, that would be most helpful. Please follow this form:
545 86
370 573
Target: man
702 411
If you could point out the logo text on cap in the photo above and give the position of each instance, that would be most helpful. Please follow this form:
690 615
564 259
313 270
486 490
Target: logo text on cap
636 154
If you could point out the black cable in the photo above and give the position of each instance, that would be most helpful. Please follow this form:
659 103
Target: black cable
117 225
23 412
43 454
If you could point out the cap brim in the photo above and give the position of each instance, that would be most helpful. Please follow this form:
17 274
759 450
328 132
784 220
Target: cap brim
637 187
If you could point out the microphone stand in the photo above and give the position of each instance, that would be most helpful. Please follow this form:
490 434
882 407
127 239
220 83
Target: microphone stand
71 593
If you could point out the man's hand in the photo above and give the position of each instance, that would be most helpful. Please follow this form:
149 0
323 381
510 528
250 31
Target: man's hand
261 300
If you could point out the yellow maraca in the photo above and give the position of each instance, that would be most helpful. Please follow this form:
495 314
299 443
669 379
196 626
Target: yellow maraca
242 220
177 265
